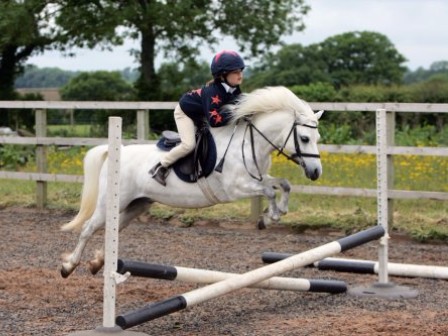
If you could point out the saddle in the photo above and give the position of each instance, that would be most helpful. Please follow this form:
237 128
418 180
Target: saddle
197 164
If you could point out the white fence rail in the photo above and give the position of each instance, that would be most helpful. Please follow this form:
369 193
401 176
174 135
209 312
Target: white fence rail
143 111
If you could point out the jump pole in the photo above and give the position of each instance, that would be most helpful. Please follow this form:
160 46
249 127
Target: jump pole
111 277
177 303
195 275
368 266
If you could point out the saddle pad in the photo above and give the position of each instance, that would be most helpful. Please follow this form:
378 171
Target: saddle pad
186 167
168 140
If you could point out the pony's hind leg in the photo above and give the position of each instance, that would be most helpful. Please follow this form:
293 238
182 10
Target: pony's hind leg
133 210
71 261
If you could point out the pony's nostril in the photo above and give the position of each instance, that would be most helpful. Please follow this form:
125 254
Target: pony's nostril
315 174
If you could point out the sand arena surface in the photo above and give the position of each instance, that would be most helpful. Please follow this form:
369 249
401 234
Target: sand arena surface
35 300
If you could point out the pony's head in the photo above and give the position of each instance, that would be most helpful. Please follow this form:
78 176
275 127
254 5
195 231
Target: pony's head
298 135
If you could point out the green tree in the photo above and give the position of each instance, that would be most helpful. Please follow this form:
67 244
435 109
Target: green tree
342 60
175 80
362 58
422 74
180 28
25 29
99 86
20 36
316 92
292 65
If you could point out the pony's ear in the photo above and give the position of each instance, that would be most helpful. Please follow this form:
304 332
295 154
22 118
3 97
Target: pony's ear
319 114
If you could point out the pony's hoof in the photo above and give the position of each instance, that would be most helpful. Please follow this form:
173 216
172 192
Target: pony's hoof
283 211
261 225
94 267
65 273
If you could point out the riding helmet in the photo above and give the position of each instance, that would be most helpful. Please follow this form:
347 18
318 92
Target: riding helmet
226 61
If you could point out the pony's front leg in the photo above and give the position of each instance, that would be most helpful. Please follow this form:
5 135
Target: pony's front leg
272 213
285 189
251 188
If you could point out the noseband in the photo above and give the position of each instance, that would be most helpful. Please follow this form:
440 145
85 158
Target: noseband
293 157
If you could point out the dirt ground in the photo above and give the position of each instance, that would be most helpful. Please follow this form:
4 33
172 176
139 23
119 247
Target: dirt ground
35 300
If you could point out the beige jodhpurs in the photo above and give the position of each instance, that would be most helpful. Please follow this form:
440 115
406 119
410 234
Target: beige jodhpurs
186 130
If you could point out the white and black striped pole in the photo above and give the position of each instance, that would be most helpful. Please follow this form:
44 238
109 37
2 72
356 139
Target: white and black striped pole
367 266
195 275
177 303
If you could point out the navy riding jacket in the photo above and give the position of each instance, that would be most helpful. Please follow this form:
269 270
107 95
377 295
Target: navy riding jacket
208 102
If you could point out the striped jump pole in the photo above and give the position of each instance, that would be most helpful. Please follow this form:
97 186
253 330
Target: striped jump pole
186 274
368 266
177 303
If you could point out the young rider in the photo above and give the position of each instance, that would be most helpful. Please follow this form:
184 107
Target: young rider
204 103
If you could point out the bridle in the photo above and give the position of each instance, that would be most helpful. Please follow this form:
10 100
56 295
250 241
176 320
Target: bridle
298 152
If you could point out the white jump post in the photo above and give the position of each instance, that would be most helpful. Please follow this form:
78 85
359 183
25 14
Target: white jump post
385 128
112 221
111 277
382 162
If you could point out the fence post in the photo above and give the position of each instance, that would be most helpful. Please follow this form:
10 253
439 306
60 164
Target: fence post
71 114
256 207
41 157
142 124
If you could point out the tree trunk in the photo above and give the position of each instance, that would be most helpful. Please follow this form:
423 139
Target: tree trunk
148 85
7 77
7 73
11 59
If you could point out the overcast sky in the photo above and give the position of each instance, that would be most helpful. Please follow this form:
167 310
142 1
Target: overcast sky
417 28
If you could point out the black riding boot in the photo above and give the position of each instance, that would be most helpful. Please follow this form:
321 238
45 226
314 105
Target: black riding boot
159 173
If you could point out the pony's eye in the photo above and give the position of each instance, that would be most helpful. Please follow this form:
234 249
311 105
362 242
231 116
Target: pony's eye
304 139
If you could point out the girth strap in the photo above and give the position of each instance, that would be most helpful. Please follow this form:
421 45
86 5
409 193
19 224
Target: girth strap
208 191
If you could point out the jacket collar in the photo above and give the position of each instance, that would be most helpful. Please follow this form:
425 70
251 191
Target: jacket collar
228 88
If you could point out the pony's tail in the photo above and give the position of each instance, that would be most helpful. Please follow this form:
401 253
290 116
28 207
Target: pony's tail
93 161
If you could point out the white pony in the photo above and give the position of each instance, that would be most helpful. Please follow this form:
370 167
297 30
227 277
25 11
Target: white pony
265 120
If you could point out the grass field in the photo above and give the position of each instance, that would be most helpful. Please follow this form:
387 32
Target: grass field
422 219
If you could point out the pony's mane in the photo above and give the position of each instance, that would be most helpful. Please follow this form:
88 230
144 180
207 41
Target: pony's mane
268 100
